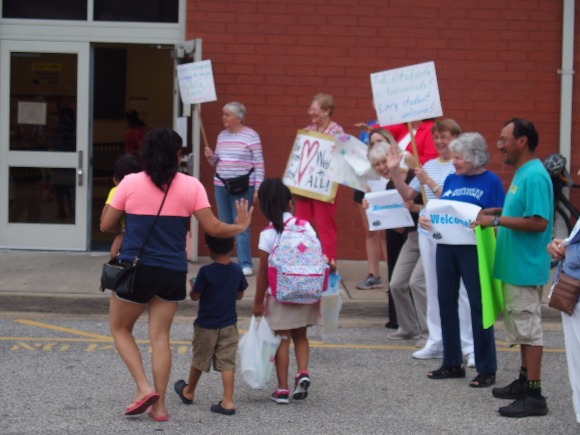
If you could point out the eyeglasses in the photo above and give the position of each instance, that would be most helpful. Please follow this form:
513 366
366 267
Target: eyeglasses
502 141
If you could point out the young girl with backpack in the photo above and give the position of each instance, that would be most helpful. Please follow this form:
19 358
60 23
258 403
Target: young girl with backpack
289 321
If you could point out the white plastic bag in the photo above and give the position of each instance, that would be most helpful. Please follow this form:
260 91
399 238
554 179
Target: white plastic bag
257 351
330 306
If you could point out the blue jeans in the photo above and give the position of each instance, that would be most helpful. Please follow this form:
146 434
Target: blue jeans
455 262
226 205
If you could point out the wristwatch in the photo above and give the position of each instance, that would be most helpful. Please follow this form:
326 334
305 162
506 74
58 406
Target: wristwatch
495 221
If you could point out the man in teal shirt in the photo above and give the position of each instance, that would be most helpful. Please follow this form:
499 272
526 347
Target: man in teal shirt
522 262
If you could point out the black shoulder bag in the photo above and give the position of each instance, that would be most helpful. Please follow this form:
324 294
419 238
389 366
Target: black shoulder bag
120 276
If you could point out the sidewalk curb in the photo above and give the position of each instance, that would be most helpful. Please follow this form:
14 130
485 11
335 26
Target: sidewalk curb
99 304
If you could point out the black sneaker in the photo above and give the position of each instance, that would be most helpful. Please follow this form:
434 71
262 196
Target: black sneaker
525 407
301 384
515 390
281 396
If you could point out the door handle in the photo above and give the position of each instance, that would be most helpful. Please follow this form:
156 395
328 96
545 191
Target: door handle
80 169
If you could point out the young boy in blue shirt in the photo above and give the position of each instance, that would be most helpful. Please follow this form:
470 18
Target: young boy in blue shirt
217 288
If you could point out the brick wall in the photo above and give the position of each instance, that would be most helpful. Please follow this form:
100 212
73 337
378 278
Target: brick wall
495 59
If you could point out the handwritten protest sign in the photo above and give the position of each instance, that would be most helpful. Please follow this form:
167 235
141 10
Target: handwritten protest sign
450 221
349 165
406 94
196 83
386 210
306 173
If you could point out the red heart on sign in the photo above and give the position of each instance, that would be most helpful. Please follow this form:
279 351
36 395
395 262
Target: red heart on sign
308 153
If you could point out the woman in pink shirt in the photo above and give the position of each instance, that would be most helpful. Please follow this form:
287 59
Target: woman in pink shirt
162 269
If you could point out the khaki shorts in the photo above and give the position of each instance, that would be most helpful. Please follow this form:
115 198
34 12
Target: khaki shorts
523 314
217 345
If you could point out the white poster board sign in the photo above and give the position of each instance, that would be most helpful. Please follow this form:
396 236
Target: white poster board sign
406 94
306 172
349 165
387 210
196 83
450 221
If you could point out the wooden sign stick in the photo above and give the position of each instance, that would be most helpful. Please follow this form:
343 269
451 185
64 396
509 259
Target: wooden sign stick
201 127
416 154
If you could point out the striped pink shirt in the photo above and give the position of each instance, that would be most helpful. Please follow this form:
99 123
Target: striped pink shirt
332 129
237 153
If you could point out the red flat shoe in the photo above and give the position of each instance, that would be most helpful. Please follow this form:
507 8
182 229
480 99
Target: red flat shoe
141 407
158 419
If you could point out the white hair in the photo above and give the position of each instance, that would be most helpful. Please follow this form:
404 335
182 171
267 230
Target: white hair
238 109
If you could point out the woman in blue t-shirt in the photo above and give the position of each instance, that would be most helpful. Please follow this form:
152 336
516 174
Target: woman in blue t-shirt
474 184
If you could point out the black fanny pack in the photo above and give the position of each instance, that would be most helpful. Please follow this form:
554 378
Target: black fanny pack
237 185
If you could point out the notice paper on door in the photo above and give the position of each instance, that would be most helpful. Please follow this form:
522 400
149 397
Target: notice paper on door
31 113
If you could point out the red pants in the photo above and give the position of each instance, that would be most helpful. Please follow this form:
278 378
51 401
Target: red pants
321 216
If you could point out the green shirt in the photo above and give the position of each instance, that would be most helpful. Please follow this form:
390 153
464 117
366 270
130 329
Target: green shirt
521 257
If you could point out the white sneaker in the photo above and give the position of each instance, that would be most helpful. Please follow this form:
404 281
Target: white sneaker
247 271
427 353
471 360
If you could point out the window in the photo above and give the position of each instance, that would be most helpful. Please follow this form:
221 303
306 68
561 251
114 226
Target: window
139 11
45 10
144 11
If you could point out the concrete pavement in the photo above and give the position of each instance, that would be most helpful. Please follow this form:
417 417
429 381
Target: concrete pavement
68 282
364 383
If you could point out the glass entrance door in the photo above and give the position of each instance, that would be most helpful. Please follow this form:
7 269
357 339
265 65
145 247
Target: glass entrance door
44 146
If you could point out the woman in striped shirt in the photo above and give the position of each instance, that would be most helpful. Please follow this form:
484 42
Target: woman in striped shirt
238 151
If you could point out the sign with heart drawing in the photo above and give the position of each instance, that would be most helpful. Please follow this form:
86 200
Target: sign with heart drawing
307 171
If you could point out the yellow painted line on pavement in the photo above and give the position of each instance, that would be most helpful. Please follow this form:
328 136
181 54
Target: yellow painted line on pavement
66 330
55 339
91 338
23 345
70 340
186 345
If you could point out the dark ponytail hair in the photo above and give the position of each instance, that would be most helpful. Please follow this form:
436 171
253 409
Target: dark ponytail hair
274 198
159 153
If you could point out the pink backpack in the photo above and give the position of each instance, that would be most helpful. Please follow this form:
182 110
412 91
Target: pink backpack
297 273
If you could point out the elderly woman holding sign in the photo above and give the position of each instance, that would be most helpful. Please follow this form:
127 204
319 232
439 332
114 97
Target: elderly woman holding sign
320 213
239 172
472 184
433 175
405 270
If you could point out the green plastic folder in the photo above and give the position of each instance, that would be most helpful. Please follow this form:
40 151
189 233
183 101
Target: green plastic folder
491 289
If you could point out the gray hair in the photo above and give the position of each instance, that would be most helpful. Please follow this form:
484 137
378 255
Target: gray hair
473 147
379 151
238 109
